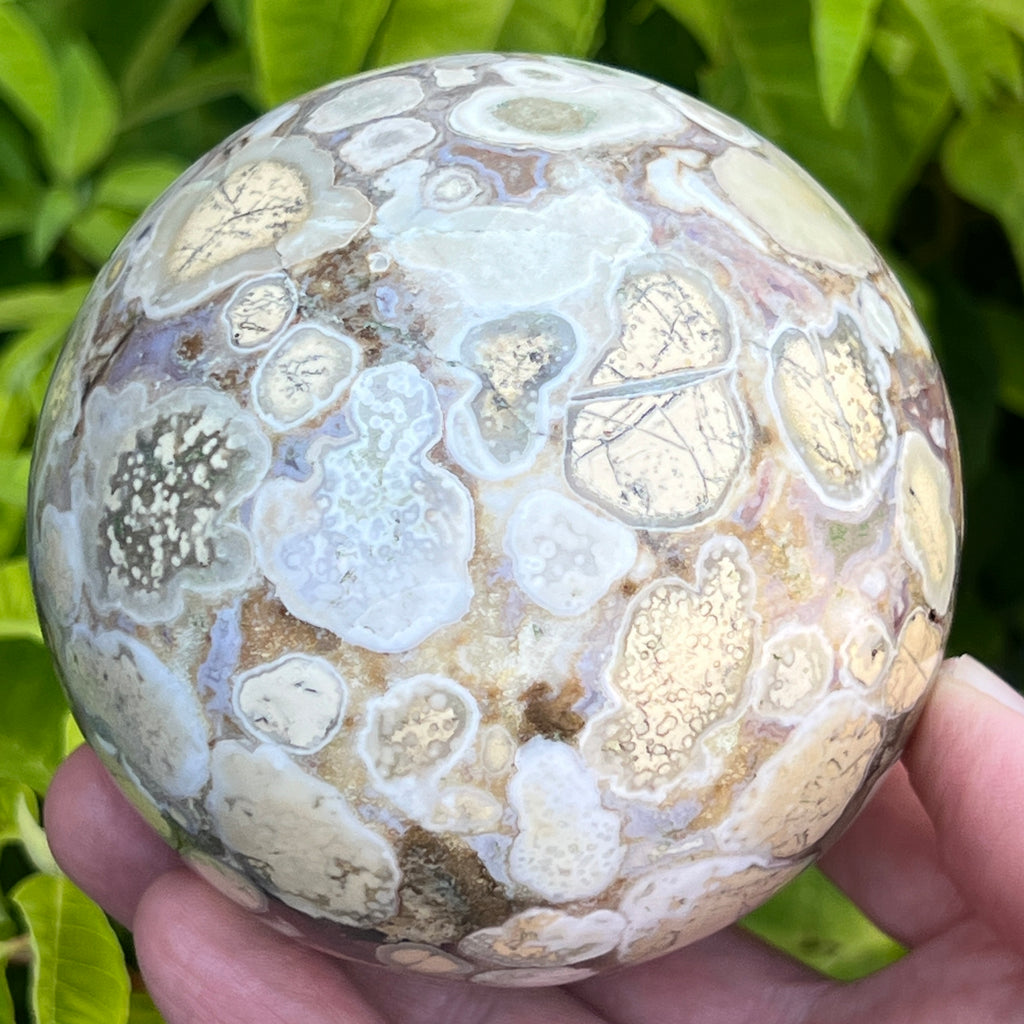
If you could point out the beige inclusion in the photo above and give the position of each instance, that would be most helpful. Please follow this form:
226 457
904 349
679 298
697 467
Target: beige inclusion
681 669
775 193
414 735
422 958
866 653
657 438
834 412
251 209
567 844
297 701
927 531
299 836
258 310
498 428
918 653
545 937
802 790
662 460
305 372
796 667
671 323
418 729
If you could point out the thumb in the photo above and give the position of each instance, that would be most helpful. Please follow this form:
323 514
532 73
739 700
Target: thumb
966 763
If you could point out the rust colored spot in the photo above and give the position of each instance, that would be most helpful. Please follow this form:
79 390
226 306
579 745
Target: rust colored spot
550 714
446 890
190 347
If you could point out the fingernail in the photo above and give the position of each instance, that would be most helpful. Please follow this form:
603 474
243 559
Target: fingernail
971 673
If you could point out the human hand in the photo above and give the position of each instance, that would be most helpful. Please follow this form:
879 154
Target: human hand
936 859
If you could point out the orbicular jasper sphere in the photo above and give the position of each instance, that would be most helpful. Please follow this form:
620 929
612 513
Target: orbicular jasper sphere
498 517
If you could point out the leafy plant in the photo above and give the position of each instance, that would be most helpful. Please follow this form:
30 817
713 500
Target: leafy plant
910 111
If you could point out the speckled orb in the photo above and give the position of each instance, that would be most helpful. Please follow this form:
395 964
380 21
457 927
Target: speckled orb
498 517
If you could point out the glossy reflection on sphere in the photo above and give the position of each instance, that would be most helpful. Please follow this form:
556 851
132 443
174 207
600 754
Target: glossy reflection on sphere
498 517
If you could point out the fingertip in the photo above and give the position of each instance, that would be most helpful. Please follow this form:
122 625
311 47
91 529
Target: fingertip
966 763
205 958
99 839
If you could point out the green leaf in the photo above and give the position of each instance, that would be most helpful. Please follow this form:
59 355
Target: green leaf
813 921
14 468
133 184
17 606
32 710
34 303
983 159
25 357
15 420
33 839
78 971
142 1011
56 211
16 800
704 19
222 75
6 1002
977 54
233 15
88 114
15 216
95 234
1009 12
300 44
167 24
568 27
840 33
73 737
29 78
425 28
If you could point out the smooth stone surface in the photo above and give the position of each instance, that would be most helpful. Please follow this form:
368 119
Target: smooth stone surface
498 516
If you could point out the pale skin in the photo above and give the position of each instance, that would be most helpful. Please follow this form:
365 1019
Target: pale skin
937 860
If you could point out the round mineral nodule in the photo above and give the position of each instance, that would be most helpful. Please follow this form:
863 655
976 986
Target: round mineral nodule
498 517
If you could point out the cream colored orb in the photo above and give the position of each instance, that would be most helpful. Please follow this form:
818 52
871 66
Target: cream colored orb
499 516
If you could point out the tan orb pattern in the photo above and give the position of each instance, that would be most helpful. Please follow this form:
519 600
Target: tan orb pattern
498 517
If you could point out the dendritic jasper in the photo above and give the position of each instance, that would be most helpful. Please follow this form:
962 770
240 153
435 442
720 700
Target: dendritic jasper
497 517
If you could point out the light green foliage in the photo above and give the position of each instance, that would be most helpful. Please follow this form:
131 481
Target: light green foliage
910 111
813 921
411 28
332 38
78 972
534 26
977 54
840 33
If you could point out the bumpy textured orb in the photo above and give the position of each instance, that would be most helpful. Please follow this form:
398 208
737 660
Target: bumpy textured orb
498 517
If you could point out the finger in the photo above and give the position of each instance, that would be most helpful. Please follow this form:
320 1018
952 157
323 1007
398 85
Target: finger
729 978
966 764
204 958
888 864
99 839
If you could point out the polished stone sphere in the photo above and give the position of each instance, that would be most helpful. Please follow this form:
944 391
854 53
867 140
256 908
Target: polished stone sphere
497 517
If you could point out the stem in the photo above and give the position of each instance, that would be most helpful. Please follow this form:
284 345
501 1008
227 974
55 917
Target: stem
17 950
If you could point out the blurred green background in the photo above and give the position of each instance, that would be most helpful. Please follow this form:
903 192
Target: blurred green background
910 111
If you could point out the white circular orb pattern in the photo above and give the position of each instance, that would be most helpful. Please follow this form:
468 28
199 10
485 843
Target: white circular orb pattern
498 517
